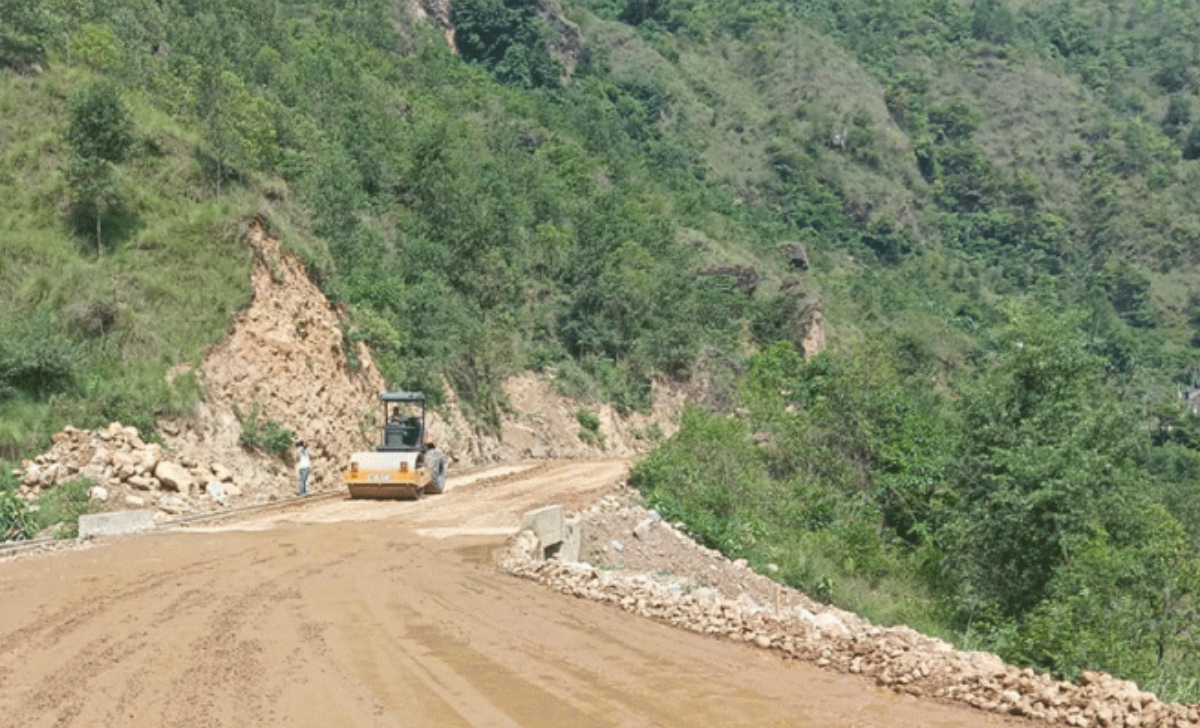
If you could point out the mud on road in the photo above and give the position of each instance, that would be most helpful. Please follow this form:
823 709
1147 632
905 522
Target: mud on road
348 613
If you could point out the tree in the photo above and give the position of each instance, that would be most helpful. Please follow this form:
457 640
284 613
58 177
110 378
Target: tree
237 124
101 135
1048 457
30 18
508 38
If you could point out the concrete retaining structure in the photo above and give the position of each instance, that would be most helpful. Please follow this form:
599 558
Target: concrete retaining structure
115 523
557 536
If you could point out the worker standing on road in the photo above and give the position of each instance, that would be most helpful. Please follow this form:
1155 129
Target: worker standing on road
303 466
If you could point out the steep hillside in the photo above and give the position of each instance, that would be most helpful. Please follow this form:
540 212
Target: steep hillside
282 374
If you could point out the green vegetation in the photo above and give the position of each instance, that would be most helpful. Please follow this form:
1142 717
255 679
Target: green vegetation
262 434
16 522
590 423
995 206
59 508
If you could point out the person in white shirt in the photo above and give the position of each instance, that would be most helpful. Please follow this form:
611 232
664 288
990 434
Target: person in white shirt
303 466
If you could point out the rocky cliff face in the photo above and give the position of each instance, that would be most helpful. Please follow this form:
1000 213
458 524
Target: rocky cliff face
286 360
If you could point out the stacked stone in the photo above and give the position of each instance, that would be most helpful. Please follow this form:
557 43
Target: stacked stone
898 658
117 460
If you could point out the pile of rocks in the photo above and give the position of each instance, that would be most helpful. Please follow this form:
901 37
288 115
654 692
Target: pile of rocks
898 658
128 473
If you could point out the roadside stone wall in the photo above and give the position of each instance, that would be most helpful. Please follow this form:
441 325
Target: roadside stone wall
128 472
897 658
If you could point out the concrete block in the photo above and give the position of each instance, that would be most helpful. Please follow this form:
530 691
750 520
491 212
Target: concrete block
115 523
572 538
546 523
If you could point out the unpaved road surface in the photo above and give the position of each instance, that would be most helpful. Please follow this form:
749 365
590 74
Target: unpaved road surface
348 613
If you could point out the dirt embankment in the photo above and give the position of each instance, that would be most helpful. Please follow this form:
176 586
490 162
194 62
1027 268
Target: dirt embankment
649 567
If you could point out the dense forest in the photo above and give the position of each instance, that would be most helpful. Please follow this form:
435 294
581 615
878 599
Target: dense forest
991 206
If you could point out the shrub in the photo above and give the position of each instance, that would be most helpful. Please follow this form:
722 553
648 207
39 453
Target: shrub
16 522
590 423
59 508
265 435
36 359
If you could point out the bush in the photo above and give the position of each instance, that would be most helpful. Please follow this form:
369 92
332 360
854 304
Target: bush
265 435
36 358
590 423
16 522
59 508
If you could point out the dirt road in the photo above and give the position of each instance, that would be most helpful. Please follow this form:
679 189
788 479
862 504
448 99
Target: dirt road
346 613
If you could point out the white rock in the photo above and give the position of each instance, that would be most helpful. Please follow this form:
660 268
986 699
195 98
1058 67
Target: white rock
133 437
151 456
98 493
642 529
143 482
174 477
102 456
134 501
830 623
232 490
527 543
216 490
173 504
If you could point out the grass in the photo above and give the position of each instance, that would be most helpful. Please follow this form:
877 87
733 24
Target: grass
59 508
173 272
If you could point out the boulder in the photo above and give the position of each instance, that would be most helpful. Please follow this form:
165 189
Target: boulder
173 504
830 624
102 457
642 529
133 437
174 477
98 493
151 456
144 482
216 490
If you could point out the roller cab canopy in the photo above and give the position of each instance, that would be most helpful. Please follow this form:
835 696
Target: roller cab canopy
402 397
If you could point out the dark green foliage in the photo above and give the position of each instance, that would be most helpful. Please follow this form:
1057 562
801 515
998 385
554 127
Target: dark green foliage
1126 600
36 358
29 20
1191 145
1050 448
101 136
992 21
267 435
100 127
1178 118
666 15
708 475
508 38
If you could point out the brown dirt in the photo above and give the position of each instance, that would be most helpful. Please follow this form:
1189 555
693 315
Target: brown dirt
340 612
